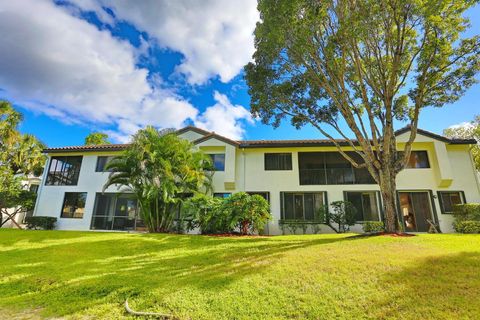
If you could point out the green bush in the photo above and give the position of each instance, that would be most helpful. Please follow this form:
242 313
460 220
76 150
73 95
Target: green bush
343 214
373 226
467 211
38 222
239 212
467 226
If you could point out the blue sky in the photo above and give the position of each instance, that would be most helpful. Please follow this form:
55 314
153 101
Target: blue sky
99 65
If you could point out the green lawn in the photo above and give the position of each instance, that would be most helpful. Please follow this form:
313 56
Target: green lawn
79 274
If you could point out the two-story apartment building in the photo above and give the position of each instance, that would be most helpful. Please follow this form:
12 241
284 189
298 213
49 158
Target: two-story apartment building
297 177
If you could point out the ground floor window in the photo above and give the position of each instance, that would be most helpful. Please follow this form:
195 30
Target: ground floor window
115 212
73 205
305 206
222 194
450 198
366 204
264 195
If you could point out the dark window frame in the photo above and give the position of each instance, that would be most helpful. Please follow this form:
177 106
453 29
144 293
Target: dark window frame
327 171
267 193
104 165
378 199
440 199
217 194
52 175
64 201
212 156
289 161
138 223
302 193
425 152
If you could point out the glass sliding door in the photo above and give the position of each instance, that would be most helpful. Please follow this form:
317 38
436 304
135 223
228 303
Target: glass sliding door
115 212
416 210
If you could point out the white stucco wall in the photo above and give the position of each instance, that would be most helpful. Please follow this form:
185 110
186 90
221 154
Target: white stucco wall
244 171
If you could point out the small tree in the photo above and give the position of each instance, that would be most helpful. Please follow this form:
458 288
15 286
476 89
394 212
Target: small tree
158 169
248 213
21 155
343 214
470 130
96 138
204 212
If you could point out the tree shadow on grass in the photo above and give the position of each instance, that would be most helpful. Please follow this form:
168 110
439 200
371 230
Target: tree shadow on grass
71 273
438 287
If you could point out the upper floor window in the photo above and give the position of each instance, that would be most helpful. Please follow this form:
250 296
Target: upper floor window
278 161
218 161
64 171
448 199
74 205
102 162
331 168
418 159
365 203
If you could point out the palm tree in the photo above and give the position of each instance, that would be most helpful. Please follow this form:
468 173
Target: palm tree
158 169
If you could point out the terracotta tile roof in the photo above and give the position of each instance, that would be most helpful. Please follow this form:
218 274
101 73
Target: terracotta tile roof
254 143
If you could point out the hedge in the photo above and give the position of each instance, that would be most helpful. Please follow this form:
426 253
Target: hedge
467 211
39 222
467 226
373 226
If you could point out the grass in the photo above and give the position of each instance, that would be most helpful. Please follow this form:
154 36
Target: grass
89 275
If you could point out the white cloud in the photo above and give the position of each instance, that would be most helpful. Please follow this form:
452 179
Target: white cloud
68 69
224 118
215 36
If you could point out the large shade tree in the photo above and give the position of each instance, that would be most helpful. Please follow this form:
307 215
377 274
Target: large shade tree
361 65
20 156
96 138
470 130
160 168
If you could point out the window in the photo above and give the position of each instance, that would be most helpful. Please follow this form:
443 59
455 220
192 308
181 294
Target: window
64 171
366 204
115 212
448 199
278 161
218 161
102 163
302 206
33 188
222 195
74 205
418 159
331 168
264 195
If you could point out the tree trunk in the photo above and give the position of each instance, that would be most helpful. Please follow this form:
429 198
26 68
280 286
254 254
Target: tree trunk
388 190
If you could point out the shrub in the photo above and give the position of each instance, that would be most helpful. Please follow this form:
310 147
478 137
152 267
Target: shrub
467 226
373 226
467 211
36 222
343 214
241 211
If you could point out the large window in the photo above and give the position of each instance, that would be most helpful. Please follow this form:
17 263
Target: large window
115 212
218 160
102 162
366 203
278 161
74 205
302 206
64 171
450 198
418 159
331 168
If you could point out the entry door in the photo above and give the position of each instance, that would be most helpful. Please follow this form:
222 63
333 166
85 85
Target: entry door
416 209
